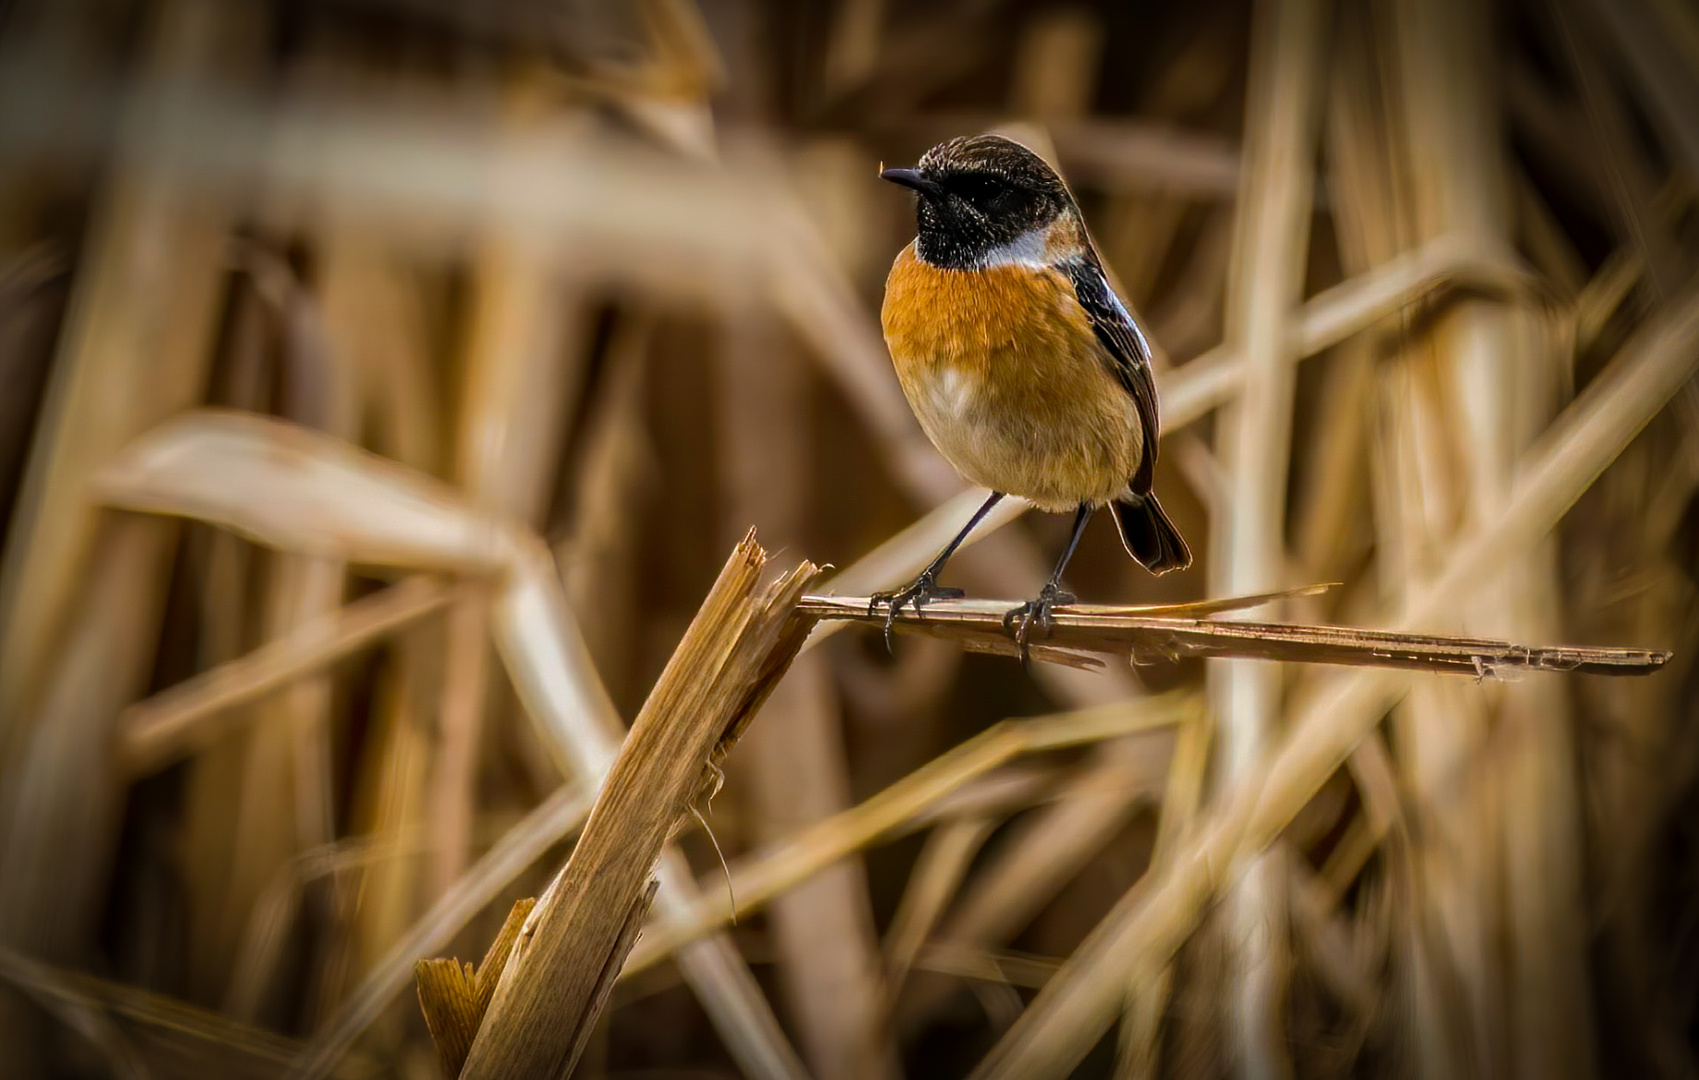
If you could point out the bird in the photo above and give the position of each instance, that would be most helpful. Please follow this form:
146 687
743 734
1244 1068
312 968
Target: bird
1023 367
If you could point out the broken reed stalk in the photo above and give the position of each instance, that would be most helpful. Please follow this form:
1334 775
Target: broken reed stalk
301 491
572 947
936 792
454 996
1082 629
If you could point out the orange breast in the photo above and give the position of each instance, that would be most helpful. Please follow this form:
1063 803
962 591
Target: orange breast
968 319
1007 378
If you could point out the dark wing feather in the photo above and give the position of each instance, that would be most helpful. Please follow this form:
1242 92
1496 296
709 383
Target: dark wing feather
1128 352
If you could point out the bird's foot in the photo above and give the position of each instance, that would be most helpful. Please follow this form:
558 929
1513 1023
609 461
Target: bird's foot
923 591
1039 612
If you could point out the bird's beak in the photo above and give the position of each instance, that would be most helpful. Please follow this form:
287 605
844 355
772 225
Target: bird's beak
911 178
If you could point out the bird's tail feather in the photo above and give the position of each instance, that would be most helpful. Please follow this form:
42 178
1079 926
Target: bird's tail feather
1149 536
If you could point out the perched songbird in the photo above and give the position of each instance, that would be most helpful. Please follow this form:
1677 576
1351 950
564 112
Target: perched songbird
1023 367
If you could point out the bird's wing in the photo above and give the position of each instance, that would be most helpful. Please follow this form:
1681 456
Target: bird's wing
1128 354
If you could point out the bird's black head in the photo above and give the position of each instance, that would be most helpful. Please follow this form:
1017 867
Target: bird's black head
982 198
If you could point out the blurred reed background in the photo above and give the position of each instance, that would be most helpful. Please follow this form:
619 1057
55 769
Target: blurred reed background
600 281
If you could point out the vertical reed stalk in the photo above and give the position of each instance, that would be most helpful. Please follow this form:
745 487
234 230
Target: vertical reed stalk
1248 552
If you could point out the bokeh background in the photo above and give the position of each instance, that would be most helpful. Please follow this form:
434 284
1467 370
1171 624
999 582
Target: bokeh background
600 281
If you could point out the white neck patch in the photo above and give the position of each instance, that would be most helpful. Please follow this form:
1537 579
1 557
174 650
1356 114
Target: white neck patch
1028 249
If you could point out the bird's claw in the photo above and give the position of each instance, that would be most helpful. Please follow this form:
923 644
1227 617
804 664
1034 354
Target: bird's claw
921 592
1037 612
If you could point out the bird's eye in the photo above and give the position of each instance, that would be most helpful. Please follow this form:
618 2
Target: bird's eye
984 192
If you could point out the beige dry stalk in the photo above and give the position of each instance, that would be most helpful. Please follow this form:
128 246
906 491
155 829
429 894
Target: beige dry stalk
573 945
901 806
1068 1016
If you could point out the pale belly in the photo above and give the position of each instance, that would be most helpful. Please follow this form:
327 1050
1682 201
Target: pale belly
1073 441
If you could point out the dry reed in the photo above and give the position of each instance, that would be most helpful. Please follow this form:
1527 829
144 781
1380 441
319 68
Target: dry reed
382 384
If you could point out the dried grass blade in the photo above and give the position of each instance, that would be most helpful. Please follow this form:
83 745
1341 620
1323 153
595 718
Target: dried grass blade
1052 847
183 1039
80 594
1140 1038
155 732
939 870
1074 1008
301 491
1192 389
765 874
98 395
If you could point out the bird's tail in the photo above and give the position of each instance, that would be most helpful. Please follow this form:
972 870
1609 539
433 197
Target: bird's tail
1149 536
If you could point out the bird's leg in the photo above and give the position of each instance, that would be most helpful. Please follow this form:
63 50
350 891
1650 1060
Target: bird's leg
1020 621
925 588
